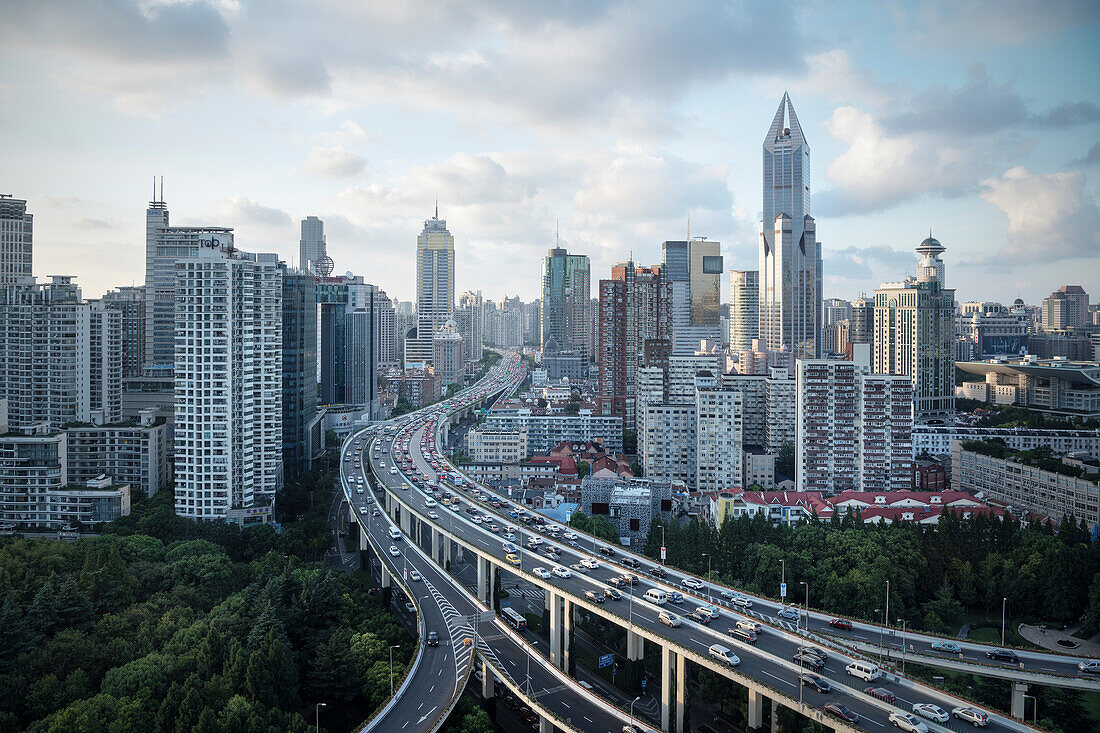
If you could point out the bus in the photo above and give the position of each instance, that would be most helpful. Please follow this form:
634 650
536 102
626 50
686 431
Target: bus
517 622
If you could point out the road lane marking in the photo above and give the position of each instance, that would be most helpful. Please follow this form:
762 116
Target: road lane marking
786 682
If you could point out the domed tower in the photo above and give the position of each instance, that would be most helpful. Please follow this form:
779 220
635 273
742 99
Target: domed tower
930 268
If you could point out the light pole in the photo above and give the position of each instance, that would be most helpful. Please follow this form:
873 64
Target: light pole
662 544
902 622
806 609
1004 602
707 556
877 612
886 615
317 715
783 580
1034 708
395 646
639 697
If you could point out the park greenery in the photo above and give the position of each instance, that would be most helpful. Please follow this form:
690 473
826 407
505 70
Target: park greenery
167 624
597 525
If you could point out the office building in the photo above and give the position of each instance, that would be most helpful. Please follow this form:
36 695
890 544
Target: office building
693 270
129 301
60 357
995 331
1065 309
490 446
164 246
229 366
861 329
915 334
16 240
744 309
936 440
435 287
312 250
566 305
853 428
449 354
133 453
835 310
299 380
388 357
351 341
470 319
789 254
719 437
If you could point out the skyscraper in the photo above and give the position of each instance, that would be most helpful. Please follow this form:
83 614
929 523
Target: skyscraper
228 431
129 301
915 334
164 246
16 240
744 309
299 366
470 319
790 256
566 289
352 312
312 254
693 270
435 286
1065 309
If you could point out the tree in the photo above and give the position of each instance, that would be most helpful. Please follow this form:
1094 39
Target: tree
630 442
584 468
784 460
573 408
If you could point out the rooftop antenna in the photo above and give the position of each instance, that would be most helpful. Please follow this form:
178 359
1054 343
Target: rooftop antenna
162 189
436 207
557 240
154 188
689 227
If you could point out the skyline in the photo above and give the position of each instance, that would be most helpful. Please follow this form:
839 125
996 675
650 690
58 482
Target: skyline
994 148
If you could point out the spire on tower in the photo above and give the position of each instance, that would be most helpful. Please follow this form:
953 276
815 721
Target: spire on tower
436 208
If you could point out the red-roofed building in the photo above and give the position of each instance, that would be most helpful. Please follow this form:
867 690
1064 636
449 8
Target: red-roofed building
778 506
851 500
889 515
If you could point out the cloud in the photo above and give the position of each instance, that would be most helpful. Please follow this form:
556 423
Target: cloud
834 75
879 261
946 23
95 224
239 209
1092 157
1050 217
285 77
336 162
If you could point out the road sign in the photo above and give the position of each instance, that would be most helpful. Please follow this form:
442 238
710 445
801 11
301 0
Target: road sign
643 683
606 660
662 553
782 590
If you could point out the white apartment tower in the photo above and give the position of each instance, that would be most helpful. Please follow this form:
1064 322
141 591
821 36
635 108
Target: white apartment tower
469 316
228 366
718 437
16 240
744 309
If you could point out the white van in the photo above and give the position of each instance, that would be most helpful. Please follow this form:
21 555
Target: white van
395 533
654 595
866 671
724 654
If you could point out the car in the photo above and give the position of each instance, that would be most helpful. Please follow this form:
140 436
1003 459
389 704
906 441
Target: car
788 613
569 536
711 611
455 507
819 653
675 597
977 718
882 694
433 639
375 513
693 583
512 558
593 596
839 711
433 515
394 551
946 646
629 578
363 510
749 625
741 601
1090 666
410 608
615 581
510 536
537 540
743 634
508 547
414 575
589 563
659 572
811 660
908 722
818 683
668 618
612 594
430 502
698 617
1003 655
493 527
541 572
609 551
359 490
631 563
531 546
579 568
841 623
477 519
561 572
932 712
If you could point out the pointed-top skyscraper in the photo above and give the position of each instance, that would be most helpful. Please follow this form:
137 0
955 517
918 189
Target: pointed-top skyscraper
790 256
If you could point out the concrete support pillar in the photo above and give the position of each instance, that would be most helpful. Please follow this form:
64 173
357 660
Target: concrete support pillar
756 708
488 689
482 568
775 715
385 576
449 544
555 628
407 522
567 634
681 693
1018 690
666 685
545 725
433 551
635 646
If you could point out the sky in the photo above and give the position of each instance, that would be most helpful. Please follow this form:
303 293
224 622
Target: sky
617 125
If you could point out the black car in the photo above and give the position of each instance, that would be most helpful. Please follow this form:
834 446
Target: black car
629 578
593 596
1005 655
612 594
839 711
819 653
433 638
609 551
631 562
699 618
810 660
819 684
659 573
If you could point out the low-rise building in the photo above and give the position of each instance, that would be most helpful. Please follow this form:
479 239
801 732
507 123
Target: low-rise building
133 453
1057 386
787 507
547 430
937 441
759 469
630 504
496 446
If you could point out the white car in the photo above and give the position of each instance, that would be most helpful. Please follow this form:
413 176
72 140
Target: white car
455 507
741 601
430 502
476 518
433 515
541 572
693 583
561 572
363 510
908 722
537 540
413 575
932 712
569 536
394 551
977 718
589 563
510 536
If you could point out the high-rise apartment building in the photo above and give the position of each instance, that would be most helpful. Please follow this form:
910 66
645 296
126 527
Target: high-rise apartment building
470 319
790 255
449 354
129 301
915 334
229 366
835 310
387 323
853 428
60 357
1065 309
693 270
299 381
351 340
744 309
566 289
435 286
634 307
718 443
312 251
164 246
668 445
861 328
16 240
780 401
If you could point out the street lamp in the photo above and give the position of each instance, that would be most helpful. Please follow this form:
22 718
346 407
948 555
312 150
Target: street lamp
902 622
639 697
1034 708
886 615
783 579
395 646
662 544
1004 602
807 605
707 556
317 715
877 612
